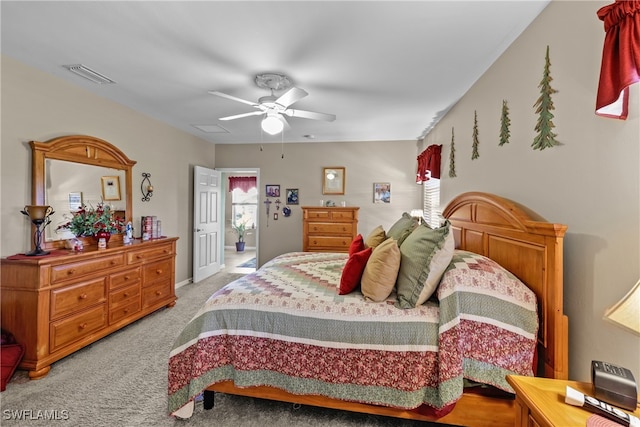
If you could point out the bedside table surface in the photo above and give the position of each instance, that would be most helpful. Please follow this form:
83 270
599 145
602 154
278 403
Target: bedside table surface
544 397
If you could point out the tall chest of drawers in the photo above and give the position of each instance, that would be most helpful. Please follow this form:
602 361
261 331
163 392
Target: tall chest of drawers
55 305
328 229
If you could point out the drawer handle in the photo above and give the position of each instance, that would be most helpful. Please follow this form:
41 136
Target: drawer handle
159 271
83 326
126 294
139 256
113 262
71 271
126 277
83 296
126 311
158 293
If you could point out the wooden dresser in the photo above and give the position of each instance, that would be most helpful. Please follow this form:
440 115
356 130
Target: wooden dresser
57 304
328 229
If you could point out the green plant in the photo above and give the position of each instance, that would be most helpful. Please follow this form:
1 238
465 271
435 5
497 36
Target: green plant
89 221
240 228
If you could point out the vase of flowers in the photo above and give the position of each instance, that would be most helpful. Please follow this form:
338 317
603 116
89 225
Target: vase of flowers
99 222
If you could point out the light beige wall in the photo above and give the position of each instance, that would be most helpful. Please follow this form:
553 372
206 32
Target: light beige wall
365 163
591 182
38 106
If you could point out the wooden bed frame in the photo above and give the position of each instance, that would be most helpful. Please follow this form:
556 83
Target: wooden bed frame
523 243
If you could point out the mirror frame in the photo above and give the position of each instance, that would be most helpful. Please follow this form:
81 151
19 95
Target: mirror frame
84 149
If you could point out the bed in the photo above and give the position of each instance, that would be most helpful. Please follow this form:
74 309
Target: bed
282 333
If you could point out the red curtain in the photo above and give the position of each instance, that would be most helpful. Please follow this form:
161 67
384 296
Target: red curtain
620 57
429 161
244 183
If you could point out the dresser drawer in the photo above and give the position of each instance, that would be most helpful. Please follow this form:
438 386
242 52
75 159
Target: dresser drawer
153 295
331 244
125 278
67 331
318 214
343 215
76 298
160 270
60 273
326 228
124 296
124 311
149 254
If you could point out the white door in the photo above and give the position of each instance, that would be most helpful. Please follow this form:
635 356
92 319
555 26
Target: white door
207 227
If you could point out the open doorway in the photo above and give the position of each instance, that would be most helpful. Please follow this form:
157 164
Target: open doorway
240 207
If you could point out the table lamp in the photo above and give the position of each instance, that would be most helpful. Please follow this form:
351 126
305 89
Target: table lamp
40 216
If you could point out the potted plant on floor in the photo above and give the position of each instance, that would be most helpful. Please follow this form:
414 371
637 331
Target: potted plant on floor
240 228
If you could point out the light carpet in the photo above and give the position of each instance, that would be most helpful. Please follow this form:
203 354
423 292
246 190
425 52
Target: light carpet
121 380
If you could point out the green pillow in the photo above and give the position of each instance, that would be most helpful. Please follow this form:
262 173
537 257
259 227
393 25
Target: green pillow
402 228
425 255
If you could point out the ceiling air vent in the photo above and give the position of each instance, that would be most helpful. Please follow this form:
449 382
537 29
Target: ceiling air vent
89 74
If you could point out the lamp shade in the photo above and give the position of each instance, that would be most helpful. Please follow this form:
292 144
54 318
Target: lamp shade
626 312
272 125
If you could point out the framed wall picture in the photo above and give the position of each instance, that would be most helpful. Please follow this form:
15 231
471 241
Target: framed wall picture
381 192
333 180
111 188
292 196
75 201
273 190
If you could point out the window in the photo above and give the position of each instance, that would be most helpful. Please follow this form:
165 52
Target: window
244 207
431 202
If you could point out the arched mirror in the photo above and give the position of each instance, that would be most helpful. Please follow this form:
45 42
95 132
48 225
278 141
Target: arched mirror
79 169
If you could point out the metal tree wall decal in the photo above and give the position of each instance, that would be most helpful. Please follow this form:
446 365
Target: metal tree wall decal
475 154
544 105
452 157
505 122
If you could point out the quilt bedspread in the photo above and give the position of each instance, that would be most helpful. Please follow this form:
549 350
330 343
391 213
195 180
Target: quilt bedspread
286 326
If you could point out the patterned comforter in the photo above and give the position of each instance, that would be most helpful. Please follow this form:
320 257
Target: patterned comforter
286 326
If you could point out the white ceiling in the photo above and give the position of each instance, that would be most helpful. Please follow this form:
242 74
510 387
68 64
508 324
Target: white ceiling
387 69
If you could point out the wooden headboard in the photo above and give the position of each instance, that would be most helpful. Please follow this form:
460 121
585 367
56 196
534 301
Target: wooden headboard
528 246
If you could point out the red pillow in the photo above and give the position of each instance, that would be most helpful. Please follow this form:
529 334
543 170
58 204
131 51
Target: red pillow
357 245
352 271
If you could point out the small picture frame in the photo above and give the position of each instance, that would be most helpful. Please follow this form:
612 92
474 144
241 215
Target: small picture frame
333 180
381 192
273 190
75 201
292 196
111 188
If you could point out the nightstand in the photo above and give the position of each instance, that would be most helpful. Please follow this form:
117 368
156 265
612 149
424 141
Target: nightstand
540 402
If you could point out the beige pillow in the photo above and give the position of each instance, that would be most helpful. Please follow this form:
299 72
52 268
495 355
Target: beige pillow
380 274
425 255
402 228
376 237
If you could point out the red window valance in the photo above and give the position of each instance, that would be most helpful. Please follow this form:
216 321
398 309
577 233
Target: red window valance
429 161
620 57
244 183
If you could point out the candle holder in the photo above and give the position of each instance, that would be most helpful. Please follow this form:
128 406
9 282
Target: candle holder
146 187
40 217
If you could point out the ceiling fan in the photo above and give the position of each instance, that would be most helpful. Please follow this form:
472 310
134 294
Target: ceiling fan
275 108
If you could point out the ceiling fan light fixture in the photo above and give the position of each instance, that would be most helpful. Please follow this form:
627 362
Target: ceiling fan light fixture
272 124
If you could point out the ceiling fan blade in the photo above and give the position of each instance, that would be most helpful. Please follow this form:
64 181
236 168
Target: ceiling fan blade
233 98
239 116
289 97
309 115
285 122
